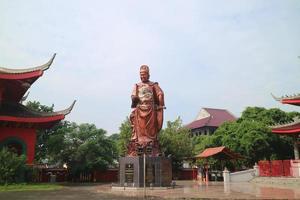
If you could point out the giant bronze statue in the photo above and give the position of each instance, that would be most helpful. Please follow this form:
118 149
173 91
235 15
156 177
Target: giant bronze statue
144 164
147 115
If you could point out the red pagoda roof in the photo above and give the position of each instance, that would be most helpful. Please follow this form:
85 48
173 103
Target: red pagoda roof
289 99
218 152
13 85
213 117
291 128
15 82
11 113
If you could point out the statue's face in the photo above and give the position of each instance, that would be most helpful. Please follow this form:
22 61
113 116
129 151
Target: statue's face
144 77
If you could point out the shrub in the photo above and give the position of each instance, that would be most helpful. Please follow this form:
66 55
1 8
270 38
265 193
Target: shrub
12 167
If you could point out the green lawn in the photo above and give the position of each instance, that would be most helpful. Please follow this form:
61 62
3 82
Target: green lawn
27 187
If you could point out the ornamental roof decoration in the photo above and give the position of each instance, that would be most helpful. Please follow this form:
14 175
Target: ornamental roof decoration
295 121
288 99
43 67
24 97
289 128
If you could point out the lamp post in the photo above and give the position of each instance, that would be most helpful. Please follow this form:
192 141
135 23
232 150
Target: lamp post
144 175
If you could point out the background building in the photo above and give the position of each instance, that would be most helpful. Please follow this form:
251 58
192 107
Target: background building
208 120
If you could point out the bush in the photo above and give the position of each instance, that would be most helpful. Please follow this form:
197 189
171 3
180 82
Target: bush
12 167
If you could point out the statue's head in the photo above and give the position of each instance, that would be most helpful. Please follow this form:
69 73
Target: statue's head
144 73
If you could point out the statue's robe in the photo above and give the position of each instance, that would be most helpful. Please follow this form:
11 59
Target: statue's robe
147 116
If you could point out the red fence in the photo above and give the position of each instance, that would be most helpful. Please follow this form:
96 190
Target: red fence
62 175
110 175
275 168
185 174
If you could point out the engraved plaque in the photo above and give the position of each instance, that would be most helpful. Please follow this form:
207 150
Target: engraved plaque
150 173
129 169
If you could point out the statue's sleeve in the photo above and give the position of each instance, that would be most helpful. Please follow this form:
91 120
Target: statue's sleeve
134 98
160 112
134 91
160 95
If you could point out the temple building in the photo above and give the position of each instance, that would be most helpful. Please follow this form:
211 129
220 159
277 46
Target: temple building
18 123
208 120
291 129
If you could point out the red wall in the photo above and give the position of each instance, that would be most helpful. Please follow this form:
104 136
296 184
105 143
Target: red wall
26 135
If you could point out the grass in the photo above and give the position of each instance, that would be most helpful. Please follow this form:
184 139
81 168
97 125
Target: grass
29 187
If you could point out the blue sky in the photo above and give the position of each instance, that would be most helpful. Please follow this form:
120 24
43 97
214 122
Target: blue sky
219 54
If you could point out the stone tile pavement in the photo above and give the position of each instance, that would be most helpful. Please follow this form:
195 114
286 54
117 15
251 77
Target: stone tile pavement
183 190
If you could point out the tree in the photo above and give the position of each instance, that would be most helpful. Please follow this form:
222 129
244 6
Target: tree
124 137
267 116
175 142
42 135
37 106
114 137
83 148
56 142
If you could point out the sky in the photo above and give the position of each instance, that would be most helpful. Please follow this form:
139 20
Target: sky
204 53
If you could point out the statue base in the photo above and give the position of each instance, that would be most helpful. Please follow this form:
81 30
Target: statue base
150 148
158 171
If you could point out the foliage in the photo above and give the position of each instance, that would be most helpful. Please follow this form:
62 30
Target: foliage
12 166
114 137
202 142
42 135
175 142
83 148
37 106
267 116
124 137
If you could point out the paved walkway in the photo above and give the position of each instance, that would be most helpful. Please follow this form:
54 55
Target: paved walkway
184 190
219 190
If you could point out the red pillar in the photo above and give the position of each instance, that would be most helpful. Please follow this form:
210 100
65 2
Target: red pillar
206 173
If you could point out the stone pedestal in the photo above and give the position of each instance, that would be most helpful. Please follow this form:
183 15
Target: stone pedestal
158 171
226 175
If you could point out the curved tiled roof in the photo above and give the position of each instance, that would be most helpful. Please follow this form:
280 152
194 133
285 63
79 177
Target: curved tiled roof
14 83
219 152
295 121
288 99
216 118
19 110
43 67
289 128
